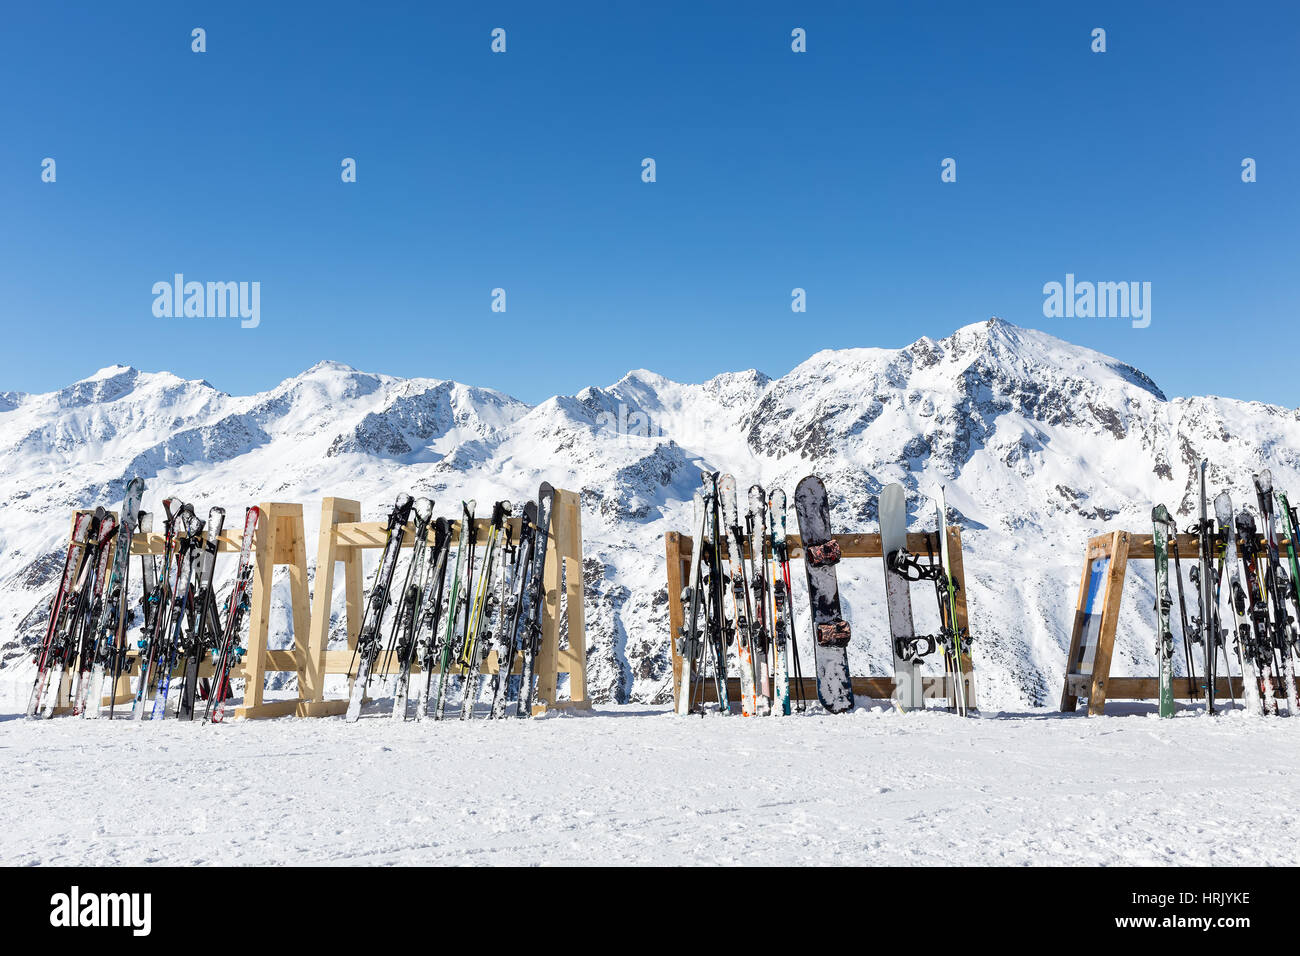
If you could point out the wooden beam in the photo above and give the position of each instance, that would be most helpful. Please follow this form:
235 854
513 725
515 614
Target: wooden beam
1109 621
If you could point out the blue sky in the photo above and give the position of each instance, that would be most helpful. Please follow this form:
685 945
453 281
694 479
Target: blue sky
522 171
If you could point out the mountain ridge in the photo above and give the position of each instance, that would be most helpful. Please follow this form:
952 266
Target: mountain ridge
1041 443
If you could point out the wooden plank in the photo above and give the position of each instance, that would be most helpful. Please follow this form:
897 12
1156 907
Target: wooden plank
547 654
935 686
374 534
678 568
1096 549
332 511
1148 688
273 708
851 545
1109 621
232 539
958 572
336 662
574 607
260 609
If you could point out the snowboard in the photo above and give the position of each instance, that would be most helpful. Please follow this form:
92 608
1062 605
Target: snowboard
830 630
892 510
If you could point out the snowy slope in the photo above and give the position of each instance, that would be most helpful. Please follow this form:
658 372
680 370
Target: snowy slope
633 785
1041 444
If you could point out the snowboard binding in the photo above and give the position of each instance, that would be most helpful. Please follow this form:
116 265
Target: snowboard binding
915 648
912 568
834 633
823 555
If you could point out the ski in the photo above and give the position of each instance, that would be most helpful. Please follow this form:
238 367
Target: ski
714 589
82 650
430 617
783 637
515 611
457 604
187 561
406 622
204 628
741 618
367 645
1292 584
831 632
155 603
71 570
952 636
1255 607
1276 582
530 634
689 641
478 637
1209 622
110 640
68 624
891 509
1241 631
1164 603
228 652
756 532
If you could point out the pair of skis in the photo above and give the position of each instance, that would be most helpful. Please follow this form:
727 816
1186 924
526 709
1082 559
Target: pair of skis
72 620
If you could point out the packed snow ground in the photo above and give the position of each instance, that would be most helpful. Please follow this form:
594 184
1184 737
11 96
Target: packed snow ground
638 785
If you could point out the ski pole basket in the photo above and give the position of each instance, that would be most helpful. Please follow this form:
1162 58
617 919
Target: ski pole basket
344 538
678 548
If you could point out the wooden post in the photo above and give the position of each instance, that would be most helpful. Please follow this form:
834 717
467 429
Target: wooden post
332 512
280 540
964 663
548 653
1069 694
1109 622
676 613
568 541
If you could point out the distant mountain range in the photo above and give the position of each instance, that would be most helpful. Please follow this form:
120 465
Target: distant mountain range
1040 444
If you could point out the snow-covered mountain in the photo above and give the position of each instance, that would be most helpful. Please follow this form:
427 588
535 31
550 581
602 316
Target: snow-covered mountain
1040 443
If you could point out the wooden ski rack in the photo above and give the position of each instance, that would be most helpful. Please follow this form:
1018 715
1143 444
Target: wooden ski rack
1096 619
678 549
344 537
279 541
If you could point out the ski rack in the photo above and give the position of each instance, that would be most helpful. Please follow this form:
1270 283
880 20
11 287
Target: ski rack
344 537
1092 640
279 542
678 549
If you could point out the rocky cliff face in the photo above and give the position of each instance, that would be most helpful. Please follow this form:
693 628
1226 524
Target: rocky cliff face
1040 444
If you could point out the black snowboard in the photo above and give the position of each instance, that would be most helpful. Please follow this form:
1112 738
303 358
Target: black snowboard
830 630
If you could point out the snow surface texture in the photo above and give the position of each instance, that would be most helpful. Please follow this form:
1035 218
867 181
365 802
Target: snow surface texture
1040 443
636 785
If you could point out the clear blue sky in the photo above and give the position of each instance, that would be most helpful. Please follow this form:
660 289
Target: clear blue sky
522 170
